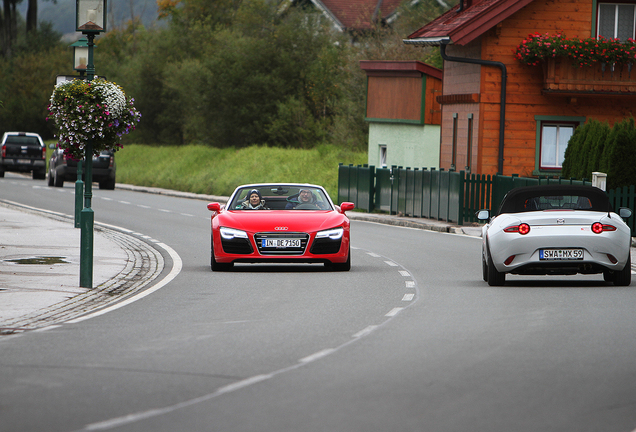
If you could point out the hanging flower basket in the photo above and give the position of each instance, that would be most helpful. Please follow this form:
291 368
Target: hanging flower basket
95 110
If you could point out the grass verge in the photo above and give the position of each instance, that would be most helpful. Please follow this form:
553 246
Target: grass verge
209 170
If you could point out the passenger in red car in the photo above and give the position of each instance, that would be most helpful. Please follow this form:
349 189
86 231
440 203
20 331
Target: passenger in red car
254 202
303 197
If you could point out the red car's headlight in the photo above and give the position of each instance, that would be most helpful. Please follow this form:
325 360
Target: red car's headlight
230 233
333 234
522 229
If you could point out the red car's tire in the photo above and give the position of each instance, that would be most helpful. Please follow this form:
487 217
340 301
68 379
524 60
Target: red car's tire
345 266
216 266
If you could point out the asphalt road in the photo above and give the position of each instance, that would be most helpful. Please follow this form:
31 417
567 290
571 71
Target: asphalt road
411 339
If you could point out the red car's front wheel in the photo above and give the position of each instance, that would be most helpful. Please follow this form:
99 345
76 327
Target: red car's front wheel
216 266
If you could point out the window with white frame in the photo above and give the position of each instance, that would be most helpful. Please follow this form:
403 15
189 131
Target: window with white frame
382 156
616 20
554 141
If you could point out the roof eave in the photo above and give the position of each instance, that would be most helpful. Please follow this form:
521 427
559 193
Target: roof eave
330 16
478 24
430 41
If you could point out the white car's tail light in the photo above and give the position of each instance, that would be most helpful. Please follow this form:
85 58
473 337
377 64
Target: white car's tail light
598 227
522 229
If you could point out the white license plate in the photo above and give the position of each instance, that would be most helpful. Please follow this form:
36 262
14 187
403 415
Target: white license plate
281 243
561 254
24 161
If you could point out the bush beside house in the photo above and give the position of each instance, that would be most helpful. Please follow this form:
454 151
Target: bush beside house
595 146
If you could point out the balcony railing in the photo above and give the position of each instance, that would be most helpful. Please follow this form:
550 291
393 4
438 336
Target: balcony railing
560 76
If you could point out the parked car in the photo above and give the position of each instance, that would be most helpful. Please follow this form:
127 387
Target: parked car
23 152
556 230
299 223
63 169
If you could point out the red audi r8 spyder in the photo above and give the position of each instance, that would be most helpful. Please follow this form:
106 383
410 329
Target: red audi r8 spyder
283 223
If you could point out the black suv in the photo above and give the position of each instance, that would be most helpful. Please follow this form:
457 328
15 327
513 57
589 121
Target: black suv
62 169
23 152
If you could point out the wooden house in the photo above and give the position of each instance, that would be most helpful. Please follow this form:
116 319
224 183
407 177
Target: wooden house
403 113
499 115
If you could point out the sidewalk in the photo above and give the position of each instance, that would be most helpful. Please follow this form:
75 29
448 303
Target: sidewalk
40 263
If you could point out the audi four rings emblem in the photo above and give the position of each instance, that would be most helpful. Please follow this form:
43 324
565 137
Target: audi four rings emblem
281 228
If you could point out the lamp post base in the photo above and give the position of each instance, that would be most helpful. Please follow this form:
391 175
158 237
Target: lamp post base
86 257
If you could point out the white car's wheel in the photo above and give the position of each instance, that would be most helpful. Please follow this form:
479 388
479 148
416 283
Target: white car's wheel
624 277
484 268
495 278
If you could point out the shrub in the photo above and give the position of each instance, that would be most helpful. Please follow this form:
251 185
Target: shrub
622 168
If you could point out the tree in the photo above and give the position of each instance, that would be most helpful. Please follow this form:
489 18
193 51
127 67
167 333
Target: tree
9 26
622 169
32 16
571 162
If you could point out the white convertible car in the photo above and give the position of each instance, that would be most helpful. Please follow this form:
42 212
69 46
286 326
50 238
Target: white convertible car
556 230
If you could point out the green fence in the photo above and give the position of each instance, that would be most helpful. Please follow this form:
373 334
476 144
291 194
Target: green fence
442 195
624 197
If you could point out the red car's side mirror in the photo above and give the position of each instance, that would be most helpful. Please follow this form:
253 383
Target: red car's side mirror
346 206
215 207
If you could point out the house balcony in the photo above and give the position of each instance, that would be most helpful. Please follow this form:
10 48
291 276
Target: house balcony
561 77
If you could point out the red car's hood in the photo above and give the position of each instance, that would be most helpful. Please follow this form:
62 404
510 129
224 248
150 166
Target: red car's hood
277 220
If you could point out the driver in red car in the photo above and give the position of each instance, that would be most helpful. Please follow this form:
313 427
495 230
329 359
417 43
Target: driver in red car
303 197
254 202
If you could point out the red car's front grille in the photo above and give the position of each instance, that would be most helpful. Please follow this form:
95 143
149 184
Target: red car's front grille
260 239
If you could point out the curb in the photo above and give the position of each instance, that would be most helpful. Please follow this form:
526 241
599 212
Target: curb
144 264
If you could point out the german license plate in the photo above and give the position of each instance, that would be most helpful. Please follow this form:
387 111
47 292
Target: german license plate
560 254
24 161
281 243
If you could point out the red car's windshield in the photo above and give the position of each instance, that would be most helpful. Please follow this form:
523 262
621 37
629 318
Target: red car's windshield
277 197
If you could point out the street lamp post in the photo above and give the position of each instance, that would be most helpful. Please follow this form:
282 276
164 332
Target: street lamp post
80 59
90 20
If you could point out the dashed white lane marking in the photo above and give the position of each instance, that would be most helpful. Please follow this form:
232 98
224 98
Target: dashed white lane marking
186 214
123 202
106 198
165 211
245 383
394 312
410 284
373 255
316 356
365 331
408 297
135 417
143 206
404 273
